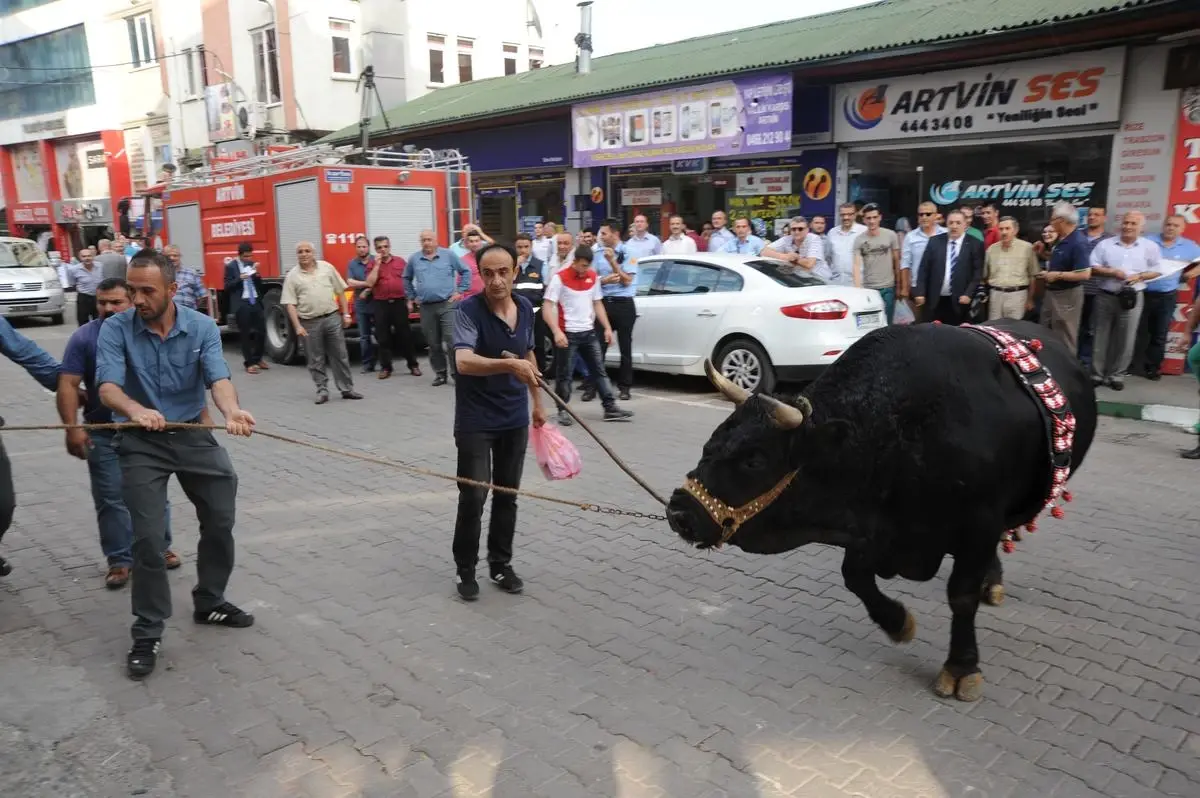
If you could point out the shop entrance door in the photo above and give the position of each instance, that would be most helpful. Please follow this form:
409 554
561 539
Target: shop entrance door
498 216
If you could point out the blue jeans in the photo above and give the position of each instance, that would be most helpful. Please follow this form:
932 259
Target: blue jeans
583 344
116 529
581 367
364 312
889 302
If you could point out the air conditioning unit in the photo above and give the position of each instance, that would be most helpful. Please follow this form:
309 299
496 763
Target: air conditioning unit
252 117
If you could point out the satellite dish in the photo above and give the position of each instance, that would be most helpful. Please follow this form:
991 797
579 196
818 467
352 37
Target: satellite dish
534 20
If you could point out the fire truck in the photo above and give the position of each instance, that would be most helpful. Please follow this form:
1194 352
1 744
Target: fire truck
321 194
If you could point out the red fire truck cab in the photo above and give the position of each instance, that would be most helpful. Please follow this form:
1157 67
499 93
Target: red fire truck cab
324 195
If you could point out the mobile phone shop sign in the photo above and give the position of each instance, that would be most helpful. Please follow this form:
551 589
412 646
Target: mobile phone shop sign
732 117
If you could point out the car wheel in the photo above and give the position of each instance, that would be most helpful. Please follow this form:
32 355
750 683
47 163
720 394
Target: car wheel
744 363
281 344
57 318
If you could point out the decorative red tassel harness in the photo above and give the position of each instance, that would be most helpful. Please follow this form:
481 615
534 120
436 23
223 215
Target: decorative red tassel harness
1060 421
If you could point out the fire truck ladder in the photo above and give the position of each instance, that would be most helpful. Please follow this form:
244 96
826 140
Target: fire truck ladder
259 165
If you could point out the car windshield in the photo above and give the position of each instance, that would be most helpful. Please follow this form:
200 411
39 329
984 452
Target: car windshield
783 273
21 255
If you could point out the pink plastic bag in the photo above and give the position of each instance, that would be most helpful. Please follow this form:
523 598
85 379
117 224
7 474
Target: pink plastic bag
557 456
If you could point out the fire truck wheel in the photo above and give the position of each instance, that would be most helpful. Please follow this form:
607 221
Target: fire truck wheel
281 344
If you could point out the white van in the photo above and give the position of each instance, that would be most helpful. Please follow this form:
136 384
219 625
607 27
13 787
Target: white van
29 285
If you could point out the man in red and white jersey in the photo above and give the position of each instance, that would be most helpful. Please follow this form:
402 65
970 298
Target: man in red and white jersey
572 306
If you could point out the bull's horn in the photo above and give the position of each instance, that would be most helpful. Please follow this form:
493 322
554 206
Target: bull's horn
730 391
786 416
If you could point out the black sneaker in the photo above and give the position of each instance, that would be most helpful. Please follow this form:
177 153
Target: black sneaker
224 615
623 395
5 568
617 414
589 393
1116 385
468 588
507 580
143 657
564 419
439 380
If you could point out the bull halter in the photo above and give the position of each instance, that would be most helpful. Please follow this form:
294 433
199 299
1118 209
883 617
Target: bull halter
730 519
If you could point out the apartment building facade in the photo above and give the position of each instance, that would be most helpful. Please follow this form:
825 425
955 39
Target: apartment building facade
98 96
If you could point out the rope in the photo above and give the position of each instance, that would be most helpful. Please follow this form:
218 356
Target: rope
587 506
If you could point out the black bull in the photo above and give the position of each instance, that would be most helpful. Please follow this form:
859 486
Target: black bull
917 443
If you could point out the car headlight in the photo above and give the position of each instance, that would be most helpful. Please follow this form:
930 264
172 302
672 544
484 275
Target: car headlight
51 284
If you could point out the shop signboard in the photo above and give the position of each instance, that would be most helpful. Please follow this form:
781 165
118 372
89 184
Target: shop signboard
538 145
1045 93
85 212
1022 194
753 184
1184 200
809 191
729 117
30 213
689 166
641 196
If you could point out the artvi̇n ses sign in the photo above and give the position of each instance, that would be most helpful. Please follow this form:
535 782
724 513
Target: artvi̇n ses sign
1069 90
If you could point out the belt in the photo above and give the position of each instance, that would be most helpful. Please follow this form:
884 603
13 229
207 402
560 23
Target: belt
1009 289
428 302
318 318
615 298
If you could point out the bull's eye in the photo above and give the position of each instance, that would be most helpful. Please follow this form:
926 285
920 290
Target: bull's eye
755 462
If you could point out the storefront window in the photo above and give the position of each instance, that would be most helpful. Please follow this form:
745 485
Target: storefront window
1025 178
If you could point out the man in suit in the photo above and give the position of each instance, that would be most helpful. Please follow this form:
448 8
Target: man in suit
531 284
244 289
949 274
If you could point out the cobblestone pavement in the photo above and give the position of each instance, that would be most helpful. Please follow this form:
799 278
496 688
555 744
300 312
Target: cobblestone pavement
631 666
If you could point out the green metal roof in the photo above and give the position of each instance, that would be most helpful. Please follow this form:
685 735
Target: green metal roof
885 25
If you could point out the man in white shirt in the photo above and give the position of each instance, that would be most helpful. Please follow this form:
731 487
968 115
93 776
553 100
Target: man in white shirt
1124 262
678 243
543 241
720 235
913 246
842 239
744 241
803 248
560 255
573 309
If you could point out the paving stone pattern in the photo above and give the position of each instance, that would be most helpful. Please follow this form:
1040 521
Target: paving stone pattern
632 666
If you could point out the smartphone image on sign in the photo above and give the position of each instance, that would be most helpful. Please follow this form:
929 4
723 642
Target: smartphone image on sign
714 119
637 128
685 121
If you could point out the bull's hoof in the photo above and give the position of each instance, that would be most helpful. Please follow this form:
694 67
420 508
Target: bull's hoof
964 688
907 632
993 595
5 568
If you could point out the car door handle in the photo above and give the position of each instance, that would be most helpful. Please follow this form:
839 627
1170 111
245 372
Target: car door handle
706 313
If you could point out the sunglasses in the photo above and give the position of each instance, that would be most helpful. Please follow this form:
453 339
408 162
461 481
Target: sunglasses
799 229
925 213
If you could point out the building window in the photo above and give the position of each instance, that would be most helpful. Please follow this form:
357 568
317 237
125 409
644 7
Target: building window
141 39
191 86
465 73
266 66
339 31
510 59
437 58
537 57
13 6
55 74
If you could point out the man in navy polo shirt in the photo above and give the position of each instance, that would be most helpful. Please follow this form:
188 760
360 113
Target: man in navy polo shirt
1070 265
491 414
96 447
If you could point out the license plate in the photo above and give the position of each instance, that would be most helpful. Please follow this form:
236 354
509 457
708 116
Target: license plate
868 320
21 308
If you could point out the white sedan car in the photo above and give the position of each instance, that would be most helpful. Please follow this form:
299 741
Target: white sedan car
756 320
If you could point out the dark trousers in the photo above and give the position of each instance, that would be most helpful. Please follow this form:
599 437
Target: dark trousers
586 344
392 330
622 314
541 340
8 493
945 309
252 329
205 472
364 314
85 308
1151 347
499 458
1087 329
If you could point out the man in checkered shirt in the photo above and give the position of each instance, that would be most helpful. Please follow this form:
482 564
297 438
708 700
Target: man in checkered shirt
801 249
190 293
